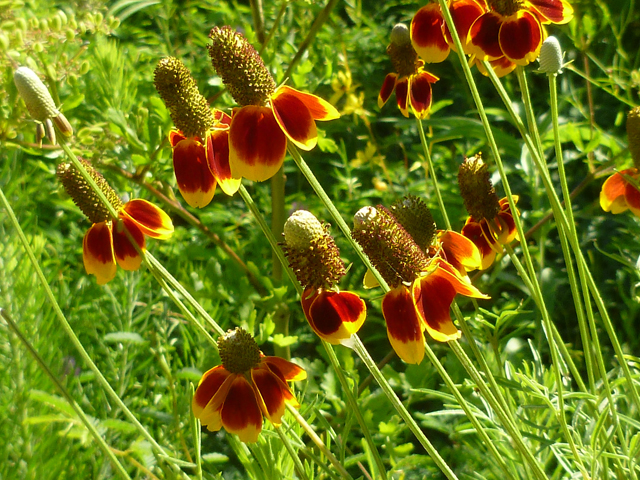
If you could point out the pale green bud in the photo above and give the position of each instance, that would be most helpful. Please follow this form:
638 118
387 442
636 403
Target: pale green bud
400 34
551 56
301 228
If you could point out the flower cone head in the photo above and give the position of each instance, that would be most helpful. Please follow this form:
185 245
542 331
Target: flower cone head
240 67
189 110
476 189
239 352
402 54
415 217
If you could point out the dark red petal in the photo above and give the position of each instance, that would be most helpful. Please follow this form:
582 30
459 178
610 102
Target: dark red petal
521 37
318 108
272 393
221 117
404 327
335 316
402 95
484 37
421 94
209 385
460 251
427 35
295 119
632 196
175 137
195 181
284 369
257 144
151 220
464 13
501 66
388 86
434 295
473 231
218 157
97 252
552 11
240 412
126 254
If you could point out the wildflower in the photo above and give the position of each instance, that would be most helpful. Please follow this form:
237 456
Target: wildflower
430 35
315 259
41 106
267 116
620 190
410 81
423 285
106 243
490 224
514 28
248 385
200 143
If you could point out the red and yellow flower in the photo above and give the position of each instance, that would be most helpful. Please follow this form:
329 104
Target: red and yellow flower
423 286
410 81
200 141
267 115
245 388
334 315
106 244
619 194
513 30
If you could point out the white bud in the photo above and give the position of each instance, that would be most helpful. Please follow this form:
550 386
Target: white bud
400 34
301 228
550 56
364 216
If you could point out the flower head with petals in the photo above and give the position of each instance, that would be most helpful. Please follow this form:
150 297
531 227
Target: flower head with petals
107 243
410 81
245 388
267 115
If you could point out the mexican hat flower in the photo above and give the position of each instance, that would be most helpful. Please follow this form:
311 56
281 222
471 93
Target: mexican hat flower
247 386
200 141
430 35
422 286
620 191
490 224
514 29
333 314
411 82
267 115
40 105
106 244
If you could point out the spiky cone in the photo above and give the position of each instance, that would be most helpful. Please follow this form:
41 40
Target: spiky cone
200 141
268 115
245 388
106 244
40 105
410 81
422 287
315 259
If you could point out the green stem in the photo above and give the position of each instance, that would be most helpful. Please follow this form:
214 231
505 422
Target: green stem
296 460
281 315
63 391
432 172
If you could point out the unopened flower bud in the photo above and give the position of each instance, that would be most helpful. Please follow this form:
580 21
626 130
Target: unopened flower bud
400 34
311 251
550 56
238 350
414 215
633 135
476 189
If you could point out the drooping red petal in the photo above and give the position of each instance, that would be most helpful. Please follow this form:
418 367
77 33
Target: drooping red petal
318 108
334 316
97 252
257 144
218 157
612 195
126 255
284 369
151 220
420 94
427 34
521 37
195 181
295 119
483 37
473 231
501 66
461 285
551 11
402 95
404 327
240 413
632 196
208 387
460 251
222 118
433 296
388 86
271 393
506 231
464 13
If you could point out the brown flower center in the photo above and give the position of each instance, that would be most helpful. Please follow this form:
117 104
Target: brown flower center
239 352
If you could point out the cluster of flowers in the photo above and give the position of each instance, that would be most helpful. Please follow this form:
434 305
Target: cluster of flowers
506 33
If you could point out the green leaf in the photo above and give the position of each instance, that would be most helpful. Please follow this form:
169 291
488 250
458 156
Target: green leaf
124 337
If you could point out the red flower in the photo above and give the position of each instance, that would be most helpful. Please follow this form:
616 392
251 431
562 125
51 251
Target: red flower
514 28
238 401
198 169
619 194
412 92
334 316
106 245
490 235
